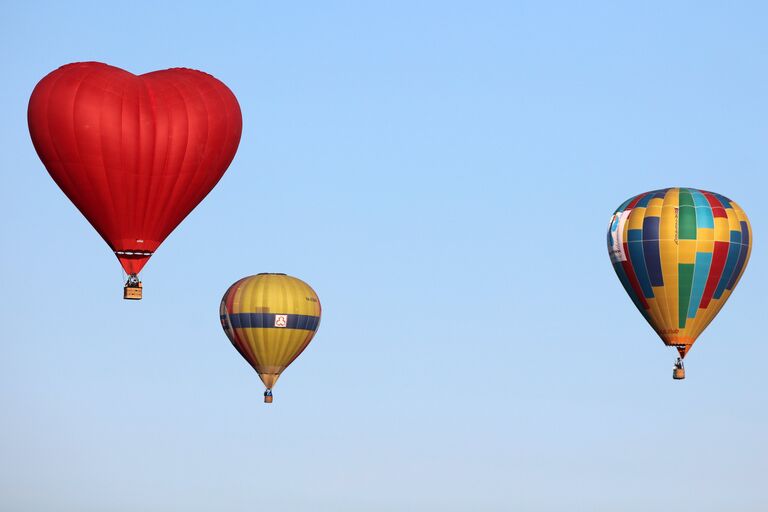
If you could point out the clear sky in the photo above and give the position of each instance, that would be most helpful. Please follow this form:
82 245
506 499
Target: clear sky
442 174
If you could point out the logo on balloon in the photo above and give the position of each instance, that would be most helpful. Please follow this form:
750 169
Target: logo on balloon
616 233
281 320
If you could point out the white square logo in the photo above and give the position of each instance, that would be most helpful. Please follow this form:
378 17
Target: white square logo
281 320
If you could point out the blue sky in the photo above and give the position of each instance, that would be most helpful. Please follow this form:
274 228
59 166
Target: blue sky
442 174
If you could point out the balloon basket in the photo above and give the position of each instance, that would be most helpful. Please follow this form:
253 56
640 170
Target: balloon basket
132 292
268 399
678 373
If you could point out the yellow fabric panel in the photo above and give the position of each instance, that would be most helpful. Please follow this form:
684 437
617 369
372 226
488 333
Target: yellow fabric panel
669 269
740 217
654 207
275 348
704 234
656 310
703 316
722 230
668 224
672 198
705 245
739 211
733 220
686 251
636 218
660 303
706 316
668 247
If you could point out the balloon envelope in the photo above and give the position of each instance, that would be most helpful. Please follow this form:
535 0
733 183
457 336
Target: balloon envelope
679 252
270 319
135 154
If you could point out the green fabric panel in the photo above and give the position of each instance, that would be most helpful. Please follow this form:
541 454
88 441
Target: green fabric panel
684 284
687 229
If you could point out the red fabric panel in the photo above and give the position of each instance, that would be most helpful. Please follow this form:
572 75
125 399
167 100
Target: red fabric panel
636 200
718 210
719 256
132 264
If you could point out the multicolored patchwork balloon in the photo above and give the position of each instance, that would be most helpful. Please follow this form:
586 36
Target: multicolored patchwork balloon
270 319
679 252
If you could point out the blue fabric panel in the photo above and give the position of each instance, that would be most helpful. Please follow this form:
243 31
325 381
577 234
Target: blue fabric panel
651 250
700 274
637 258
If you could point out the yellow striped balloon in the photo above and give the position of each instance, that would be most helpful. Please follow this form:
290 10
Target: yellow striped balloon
270 319
679 252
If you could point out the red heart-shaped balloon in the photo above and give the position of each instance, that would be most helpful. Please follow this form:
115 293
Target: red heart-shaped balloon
135 154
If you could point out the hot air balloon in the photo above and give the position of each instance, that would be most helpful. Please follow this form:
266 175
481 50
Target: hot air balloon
135 154
679 252
270 319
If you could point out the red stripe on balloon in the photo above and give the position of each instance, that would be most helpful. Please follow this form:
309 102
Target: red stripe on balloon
636 200
717 207
719 256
